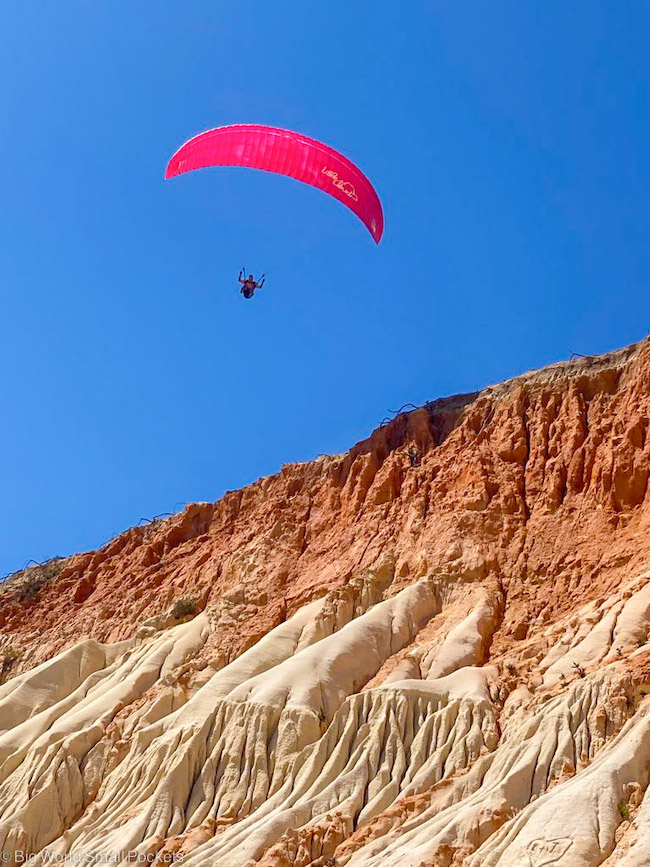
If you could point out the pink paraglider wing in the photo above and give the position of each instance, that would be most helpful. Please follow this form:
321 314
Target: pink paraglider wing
286 153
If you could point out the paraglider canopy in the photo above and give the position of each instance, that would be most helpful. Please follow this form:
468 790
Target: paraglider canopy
286 153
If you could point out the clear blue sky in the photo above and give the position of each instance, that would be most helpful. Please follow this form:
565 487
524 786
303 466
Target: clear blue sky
508 141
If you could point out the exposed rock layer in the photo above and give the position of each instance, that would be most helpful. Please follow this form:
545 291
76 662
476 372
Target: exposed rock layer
428 651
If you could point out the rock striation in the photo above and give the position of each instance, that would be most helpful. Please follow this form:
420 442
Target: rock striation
429 651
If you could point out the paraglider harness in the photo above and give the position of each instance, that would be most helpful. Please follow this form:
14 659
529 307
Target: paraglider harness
249 284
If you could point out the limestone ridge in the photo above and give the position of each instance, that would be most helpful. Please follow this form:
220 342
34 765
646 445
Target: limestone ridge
429 651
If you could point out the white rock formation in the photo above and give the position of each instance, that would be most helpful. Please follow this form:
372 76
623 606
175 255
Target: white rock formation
364 734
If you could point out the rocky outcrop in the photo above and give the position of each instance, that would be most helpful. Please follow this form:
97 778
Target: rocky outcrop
431 650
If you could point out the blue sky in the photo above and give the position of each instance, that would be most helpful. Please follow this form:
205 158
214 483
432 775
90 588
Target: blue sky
509 143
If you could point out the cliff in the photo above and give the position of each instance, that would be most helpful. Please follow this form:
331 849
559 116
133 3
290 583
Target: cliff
428 651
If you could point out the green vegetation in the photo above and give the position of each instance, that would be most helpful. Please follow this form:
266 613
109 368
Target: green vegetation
185 607
624 810
10 657
35 577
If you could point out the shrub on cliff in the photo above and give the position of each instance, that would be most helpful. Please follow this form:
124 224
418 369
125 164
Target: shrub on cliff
185 607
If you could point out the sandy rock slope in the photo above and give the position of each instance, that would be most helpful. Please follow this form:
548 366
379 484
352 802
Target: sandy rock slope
430 651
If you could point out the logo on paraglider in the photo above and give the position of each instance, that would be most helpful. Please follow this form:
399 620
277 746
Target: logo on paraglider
344 186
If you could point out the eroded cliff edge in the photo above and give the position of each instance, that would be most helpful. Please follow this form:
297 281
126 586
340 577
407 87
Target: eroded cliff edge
430 650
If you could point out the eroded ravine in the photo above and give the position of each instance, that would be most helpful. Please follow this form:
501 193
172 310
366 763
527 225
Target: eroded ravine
429 651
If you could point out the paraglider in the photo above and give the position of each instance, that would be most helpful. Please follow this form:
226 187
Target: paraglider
249 284
286 153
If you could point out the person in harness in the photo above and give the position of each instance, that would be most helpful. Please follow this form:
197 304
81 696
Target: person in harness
249 285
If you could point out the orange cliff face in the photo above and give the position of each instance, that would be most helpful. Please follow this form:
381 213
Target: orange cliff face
431 651
539 484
